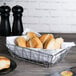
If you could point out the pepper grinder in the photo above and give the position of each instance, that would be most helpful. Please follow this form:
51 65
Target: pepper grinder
5 29
17 27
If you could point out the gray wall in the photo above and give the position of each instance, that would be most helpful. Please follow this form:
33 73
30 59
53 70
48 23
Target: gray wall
47 15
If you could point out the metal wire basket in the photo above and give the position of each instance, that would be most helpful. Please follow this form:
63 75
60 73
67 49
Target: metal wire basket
37 56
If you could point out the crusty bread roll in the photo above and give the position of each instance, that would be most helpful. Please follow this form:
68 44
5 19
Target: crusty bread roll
4 63
66 73
46 41
20 41
31 35
53 43
49 44
45 37
34 43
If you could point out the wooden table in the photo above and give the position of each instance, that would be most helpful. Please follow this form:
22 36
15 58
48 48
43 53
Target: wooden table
29 69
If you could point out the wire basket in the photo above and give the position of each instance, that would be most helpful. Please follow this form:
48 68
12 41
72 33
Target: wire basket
37 56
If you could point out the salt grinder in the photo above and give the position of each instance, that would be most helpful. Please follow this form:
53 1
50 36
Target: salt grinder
5 29
17 27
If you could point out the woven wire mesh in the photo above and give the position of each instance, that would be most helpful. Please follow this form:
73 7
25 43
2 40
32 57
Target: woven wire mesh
36 56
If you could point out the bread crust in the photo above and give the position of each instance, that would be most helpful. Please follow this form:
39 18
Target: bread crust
45 37
31 35
20 41
34 43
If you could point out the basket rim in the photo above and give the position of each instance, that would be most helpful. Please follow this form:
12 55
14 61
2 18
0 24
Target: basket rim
37 49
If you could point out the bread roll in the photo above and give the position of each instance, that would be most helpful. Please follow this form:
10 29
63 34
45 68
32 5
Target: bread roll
66 73
20 41
59 40
45 37
4 63
58 43
49 44
34 43
53 44
31 35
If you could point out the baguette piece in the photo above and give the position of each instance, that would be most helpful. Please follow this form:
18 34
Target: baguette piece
20 41
45 37
34 43
4 63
